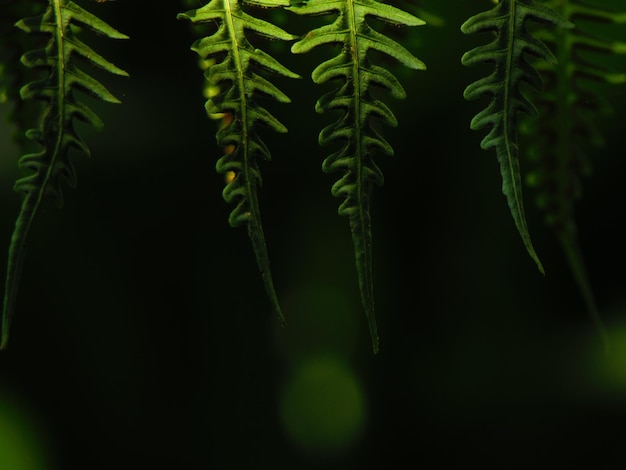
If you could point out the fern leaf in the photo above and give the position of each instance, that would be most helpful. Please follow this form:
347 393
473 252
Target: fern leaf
508 53
359 107
238 78
52 164
570 111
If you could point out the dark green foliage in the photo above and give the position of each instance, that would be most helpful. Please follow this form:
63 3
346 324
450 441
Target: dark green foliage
52 164
13 42
508 52
570 111
533 41
239 83
359 108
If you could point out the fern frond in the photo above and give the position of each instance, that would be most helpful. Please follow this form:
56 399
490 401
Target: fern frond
236 73
570 112
355 99
508 53
56 134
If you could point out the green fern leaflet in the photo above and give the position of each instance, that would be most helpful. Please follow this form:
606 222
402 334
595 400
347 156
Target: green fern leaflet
56 134
508 53
240 84
360 142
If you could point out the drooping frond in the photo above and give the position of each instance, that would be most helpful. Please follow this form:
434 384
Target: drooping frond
508 53
52 165
236 73
570 111
359 108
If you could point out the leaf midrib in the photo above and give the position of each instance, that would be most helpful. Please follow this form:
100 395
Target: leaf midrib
60 103
230 23
506 105
356 81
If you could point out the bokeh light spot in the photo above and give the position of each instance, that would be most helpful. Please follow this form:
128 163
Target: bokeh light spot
323 407
21 444
608 372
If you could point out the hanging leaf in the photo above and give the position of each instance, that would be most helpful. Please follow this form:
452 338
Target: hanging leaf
508 53
359 108
571 109
237 76
56 135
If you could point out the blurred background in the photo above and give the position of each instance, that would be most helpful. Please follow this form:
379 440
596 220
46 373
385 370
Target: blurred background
143 335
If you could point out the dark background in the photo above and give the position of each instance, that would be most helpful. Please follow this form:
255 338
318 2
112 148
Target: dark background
143 335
